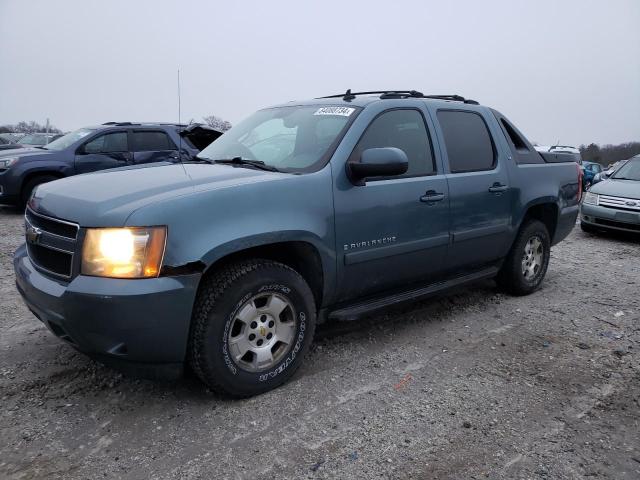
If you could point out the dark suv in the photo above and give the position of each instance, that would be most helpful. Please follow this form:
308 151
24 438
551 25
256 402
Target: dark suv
111 145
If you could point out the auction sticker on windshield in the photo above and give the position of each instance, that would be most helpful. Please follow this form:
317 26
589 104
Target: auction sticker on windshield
342 111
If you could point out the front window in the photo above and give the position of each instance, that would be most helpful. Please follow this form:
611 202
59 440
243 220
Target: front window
69 139
629 171
291 139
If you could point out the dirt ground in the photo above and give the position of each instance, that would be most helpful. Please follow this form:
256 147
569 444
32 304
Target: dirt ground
473 384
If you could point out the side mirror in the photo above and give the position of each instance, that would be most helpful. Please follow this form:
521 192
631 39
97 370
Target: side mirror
377 162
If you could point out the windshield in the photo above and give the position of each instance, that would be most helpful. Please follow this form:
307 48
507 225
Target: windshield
69 139
292 139
629 171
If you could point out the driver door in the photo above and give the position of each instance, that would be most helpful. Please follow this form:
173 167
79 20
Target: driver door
109 150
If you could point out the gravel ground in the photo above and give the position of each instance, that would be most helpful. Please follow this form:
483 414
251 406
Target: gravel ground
472 384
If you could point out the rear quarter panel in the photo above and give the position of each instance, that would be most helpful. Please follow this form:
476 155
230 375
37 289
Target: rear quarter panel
542 183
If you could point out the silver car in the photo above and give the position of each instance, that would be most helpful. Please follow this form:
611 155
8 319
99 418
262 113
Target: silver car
614 204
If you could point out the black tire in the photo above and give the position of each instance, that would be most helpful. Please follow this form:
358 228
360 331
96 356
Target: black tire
28 187
587 228
219 300
511 277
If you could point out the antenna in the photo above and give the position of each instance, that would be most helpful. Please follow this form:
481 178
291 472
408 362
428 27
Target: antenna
180 158
179 118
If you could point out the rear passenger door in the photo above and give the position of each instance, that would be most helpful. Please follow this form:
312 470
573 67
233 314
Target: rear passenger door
393 231
479 190
152 146
107 150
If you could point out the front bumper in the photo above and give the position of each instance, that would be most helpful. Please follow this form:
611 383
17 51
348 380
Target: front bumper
610 218
140 326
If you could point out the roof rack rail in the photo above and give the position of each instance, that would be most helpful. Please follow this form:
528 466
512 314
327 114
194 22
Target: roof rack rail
121 124
385 94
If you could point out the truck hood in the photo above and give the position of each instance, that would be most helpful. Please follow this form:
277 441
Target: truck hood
617 188
109 197
26 153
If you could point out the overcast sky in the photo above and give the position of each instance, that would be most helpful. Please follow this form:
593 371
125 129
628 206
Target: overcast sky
565 71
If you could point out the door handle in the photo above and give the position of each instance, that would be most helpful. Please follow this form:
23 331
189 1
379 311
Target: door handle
431 196
498 188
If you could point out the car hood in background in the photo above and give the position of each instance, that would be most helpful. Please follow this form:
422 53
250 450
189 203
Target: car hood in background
10 146
107 198
617 188
20 151
200 135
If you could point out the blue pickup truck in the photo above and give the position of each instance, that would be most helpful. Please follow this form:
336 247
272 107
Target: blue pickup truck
332 208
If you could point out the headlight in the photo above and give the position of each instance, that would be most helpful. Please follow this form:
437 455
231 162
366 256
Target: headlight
123 252
7 162
591 198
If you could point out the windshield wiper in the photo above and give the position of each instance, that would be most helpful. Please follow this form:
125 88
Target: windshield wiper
623 178
259 164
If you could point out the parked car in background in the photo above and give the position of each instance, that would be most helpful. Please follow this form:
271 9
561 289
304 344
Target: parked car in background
11 137
590 170
91 149
6 144
614 204
561 149
329 208
38 139
609 171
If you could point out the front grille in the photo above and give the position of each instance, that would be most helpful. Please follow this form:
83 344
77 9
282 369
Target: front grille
619 203
612 223
51 243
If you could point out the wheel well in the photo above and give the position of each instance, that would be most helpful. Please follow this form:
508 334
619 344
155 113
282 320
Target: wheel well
300 256
547 213
33 175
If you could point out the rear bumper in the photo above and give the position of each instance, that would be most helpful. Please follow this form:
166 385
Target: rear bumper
566 222
139 326
610 218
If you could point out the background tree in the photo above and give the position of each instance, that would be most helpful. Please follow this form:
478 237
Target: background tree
217 123
29 127
608 154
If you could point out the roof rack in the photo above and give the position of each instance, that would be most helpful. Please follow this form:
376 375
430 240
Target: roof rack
121 124
385 94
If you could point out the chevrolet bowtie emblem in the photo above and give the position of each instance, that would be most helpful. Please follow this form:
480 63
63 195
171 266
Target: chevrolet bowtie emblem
33 234
631 204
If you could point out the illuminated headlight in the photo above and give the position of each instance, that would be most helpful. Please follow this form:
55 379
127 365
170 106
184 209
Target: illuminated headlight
591 198
123 252
7 162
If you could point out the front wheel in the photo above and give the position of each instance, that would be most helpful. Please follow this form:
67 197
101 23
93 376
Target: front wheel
253 322
28 187
527 262
587 228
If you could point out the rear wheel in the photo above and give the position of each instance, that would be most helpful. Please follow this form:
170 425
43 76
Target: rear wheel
253 323
28 187
527 262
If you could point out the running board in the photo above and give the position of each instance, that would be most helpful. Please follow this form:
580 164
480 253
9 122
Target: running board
357 310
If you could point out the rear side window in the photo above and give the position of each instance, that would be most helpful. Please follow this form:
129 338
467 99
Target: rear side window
108 143
468 142
145 141
403 129
516 140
